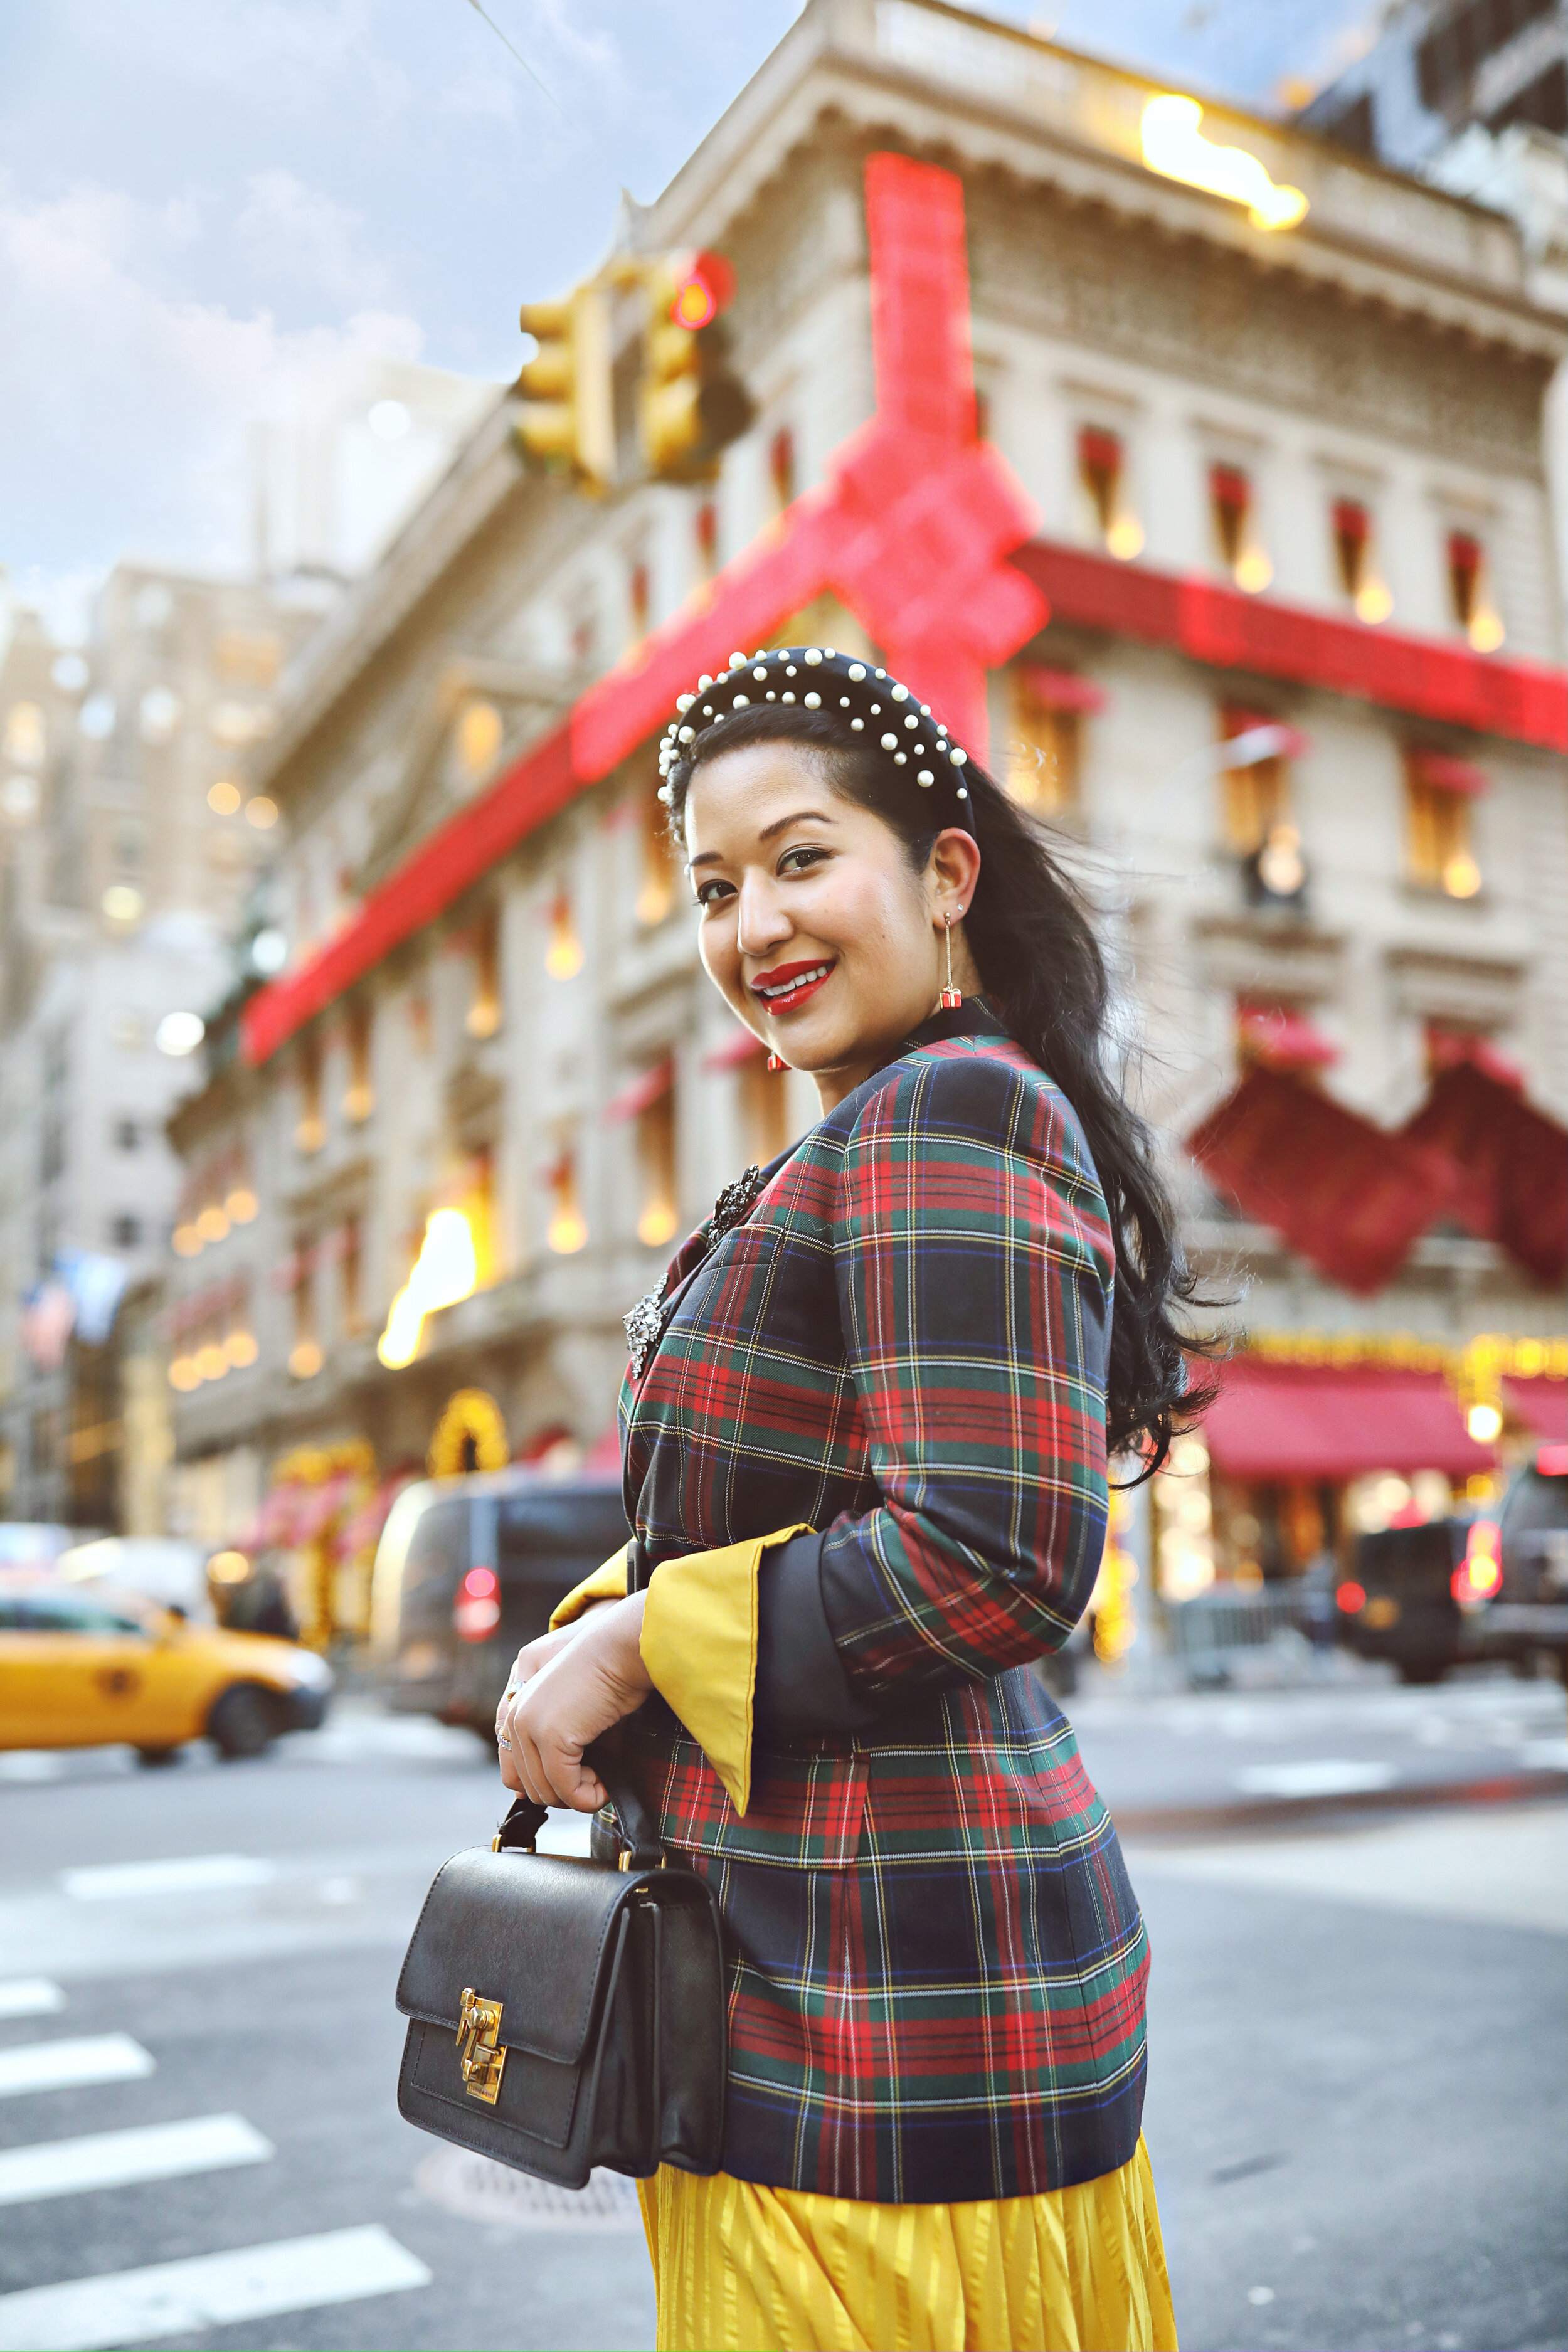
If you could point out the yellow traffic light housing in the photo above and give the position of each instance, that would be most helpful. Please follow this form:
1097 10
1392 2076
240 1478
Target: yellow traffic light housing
691 405
567 418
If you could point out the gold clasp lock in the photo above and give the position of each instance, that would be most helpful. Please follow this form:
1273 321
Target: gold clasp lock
478 2036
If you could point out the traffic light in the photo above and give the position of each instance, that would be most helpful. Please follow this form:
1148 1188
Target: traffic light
567 418
691 403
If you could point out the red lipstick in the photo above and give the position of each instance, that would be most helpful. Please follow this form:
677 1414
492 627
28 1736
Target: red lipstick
788 985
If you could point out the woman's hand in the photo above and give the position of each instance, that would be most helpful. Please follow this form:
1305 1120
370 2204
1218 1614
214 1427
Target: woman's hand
565 1689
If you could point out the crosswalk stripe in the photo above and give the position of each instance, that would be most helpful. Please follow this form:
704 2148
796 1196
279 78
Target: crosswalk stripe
30 1997
208 2291
66 2064
189 1873
112 2160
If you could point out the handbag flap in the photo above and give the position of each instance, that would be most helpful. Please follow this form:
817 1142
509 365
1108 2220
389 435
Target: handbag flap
529 1930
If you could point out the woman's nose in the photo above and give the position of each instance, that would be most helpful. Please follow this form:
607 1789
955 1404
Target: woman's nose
761 922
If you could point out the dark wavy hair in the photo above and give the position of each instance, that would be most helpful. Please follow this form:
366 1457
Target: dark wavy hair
1031 934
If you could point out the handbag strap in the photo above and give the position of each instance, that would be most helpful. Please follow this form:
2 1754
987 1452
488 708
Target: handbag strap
637 1826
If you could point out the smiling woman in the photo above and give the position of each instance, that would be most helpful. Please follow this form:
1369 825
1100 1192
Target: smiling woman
866 1428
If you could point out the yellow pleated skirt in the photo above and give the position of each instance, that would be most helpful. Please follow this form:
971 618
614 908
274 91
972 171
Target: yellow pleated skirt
738 2268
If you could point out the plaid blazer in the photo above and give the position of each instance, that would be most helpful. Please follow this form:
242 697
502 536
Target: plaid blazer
938 1965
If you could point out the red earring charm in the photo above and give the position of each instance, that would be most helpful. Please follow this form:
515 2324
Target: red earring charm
777 1062
951 998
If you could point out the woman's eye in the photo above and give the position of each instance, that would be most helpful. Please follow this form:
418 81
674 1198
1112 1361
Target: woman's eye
801 861
710 893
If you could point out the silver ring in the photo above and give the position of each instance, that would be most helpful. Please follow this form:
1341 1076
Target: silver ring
502 1741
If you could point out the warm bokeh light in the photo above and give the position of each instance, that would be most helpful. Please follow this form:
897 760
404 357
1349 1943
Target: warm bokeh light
305 1359
1124 539
479 737
187 1240
240 1348
446 1270
1372 602
1253 571
185 1374
212 1224
241 1205
228 1567
223 798
1174 146
1484 1423
564 956
1486 630
656 1223
262 812
566 1232
1461 875
123 903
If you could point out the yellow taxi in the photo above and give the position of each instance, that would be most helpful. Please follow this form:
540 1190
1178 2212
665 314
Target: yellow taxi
86 1667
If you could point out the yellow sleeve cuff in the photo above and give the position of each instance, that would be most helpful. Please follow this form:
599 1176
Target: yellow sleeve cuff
699 1645
606 1583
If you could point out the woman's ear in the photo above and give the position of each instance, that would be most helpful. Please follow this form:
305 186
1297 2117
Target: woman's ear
952 875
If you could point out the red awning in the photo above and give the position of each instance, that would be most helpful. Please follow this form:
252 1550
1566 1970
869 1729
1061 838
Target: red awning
1299 1421
1446 1049
1063 689
1446 775
636 1099
1286 1041
1542 1405
735 1051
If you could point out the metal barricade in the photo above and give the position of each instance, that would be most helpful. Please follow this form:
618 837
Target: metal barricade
1227 1618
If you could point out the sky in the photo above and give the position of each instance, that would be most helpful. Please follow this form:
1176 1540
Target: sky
203 201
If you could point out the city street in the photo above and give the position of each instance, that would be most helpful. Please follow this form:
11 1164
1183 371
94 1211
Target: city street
1358 2034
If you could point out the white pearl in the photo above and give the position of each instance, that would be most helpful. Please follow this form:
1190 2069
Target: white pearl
828 653
844 702
881 672
704 683
963 793
707 710
857 724
740 701
813 654
925 777
900 759
786 695
759 674
684 702
857 671
911 718
901 694
889 742
958 758
688 734
813 701
737 661
925 711
790 672
667 793
875 710
771 695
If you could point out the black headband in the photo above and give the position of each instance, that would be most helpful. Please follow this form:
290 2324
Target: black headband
860 696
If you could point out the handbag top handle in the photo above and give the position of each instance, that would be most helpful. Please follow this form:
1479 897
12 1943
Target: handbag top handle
637 1827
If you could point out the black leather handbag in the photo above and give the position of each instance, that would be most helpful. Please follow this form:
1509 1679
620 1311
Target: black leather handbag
566 2012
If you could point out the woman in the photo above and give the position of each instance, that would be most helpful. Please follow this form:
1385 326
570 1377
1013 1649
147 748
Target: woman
866 1428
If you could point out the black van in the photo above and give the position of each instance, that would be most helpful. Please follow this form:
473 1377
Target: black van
468 1570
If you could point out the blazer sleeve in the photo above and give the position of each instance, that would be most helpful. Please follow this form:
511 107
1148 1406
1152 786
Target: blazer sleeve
974 1271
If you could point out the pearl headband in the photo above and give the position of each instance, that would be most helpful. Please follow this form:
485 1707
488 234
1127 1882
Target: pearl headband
818 679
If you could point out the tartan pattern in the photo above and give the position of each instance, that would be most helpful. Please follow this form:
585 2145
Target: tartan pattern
938 1965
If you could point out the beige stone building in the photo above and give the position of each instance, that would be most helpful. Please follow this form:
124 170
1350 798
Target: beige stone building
1288 494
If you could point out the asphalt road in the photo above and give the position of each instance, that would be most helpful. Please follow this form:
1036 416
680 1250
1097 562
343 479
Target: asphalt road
1358 2033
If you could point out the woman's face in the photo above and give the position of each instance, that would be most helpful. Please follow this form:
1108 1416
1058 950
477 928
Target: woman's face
812 926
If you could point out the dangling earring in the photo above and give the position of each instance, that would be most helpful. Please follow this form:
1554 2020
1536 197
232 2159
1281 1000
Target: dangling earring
951 998
777 1062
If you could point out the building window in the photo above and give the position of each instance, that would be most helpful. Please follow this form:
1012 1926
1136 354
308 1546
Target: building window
567 1229
1440 794
1044 742
305 1355
564 955
125 1231
127 1135
310 1127
1355 559
350 1278
705 533
1102 479
657 1214
781 468
764 1109
639 600
479 737
1233 513
1469 596
1255 798
657 867
359 1094
482 1018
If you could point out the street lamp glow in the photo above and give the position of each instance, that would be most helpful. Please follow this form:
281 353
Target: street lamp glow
1175 147
446 1270
1484 1423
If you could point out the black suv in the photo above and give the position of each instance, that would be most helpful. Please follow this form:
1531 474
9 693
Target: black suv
468 1570
1483 1586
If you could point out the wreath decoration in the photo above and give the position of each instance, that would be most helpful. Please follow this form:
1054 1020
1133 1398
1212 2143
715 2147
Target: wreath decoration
470 1436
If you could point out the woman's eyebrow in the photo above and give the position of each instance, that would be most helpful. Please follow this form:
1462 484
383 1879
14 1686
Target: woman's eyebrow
780 825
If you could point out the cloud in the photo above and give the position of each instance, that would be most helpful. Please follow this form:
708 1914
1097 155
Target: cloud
124 431
290 234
